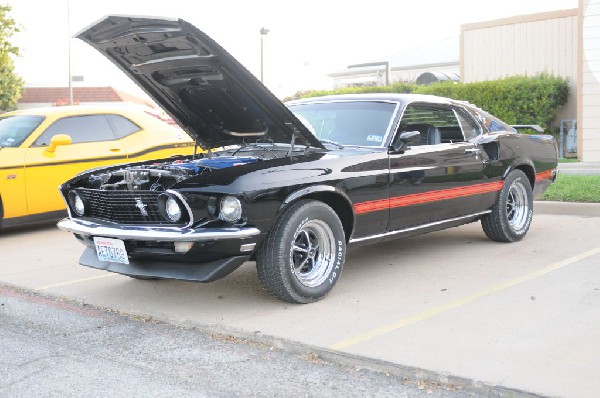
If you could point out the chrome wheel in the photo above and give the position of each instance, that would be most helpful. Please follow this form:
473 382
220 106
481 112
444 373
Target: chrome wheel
303 255
510 217
517 206
312 254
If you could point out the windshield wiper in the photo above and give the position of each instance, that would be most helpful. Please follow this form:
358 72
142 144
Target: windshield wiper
325 141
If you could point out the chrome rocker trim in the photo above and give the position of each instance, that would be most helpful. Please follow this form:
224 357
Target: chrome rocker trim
415 228
154 233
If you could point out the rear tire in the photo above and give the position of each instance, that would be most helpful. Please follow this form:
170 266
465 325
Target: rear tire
511 215
302 257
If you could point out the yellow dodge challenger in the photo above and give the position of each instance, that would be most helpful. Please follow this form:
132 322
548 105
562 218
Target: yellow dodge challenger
42 148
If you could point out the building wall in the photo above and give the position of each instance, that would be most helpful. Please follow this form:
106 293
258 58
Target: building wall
589 83
523 45
376 77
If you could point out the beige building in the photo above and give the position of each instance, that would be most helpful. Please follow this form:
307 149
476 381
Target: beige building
588 110
439 59
564 43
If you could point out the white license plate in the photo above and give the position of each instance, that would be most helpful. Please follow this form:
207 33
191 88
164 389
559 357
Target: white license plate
111 250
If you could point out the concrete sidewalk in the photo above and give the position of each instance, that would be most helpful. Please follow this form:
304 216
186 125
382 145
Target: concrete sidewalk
449 307
583 168
567 208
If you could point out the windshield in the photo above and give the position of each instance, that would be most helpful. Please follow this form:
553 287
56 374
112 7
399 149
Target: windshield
363 123
15 129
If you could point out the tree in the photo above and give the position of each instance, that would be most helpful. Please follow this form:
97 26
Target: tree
11 84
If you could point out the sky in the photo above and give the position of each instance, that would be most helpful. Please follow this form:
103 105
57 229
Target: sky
307 39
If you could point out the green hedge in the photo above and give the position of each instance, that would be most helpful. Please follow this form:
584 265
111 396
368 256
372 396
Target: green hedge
515 100
394 88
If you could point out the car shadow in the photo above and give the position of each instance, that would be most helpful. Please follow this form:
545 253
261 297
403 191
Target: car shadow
28 228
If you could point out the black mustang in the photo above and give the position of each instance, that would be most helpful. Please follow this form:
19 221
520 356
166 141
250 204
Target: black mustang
290 186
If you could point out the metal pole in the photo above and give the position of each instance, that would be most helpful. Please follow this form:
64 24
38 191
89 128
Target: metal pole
263 33
387 73
384 63
69 50
561 140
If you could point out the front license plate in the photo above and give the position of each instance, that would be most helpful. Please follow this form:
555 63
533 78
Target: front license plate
111 250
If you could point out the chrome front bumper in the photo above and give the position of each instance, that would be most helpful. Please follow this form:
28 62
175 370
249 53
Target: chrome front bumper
154 233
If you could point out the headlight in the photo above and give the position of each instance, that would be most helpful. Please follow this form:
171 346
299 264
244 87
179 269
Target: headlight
173 209
231 209
76 203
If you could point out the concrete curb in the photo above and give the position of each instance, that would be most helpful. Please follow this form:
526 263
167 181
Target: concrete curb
408 374
580 168
567 208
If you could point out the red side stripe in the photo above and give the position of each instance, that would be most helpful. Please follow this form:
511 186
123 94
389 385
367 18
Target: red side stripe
544 175
434 196
427 197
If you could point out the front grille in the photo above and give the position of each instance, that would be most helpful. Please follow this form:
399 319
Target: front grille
123 207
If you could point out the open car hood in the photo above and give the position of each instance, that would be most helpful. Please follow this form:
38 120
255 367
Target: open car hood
199 84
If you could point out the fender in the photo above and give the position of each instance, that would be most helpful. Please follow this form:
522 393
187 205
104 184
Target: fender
314 189
516 163
343 207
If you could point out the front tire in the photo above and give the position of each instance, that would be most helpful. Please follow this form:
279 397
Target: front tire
302 257
511 215
143 278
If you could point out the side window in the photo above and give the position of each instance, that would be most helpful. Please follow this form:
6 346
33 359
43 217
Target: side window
89 128
488 122
469 127
437 124
122 126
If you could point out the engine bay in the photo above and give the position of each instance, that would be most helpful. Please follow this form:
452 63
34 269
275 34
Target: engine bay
161 176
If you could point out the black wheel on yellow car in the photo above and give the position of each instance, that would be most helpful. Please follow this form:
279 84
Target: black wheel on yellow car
302 257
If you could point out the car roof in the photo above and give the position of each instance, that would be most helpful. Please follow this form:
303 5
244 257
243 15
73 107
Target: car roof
396 97
79 110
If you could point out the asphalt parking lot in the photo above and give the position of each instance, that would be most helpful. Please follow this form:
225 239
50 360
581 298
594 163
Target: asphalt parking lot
451 303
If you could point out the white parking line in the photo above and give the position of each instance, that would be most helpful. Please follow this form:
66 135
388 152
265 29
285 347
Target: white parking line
373 333
107 275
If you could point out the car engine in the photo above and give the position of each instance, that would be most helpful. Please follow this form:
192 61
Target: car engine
161 176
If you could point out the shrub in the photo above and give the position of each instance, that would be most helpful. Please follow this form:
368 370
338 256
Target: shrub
515 100
394 88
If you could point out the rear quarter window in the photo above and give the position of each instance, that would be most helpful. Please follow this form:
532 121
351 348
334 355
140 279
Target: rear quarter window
122 127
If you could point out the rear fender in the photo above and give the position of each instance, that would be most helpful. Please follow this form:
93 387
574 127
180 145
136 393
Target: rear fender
526 166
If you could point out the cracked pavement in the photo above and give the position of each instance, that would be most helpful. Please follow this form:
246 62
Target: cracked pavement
61 348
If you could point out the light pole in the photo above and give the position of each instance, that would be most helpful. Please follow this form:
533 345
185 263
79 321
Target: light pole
69 50
263 33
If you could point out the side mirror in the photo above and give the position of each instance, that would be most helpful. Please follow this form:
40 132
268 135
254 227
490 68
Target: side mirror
404 139
58 139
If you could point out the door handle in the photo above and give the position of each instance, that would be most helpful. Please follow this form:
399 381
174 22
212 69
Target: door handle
114 149
475 151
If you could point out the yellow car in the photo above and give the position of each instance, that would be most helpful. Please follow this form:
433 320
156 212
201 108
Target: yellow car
41 148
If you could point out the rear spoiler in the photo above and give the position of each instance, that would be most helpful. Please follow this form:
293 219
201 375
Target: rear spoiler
528 126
